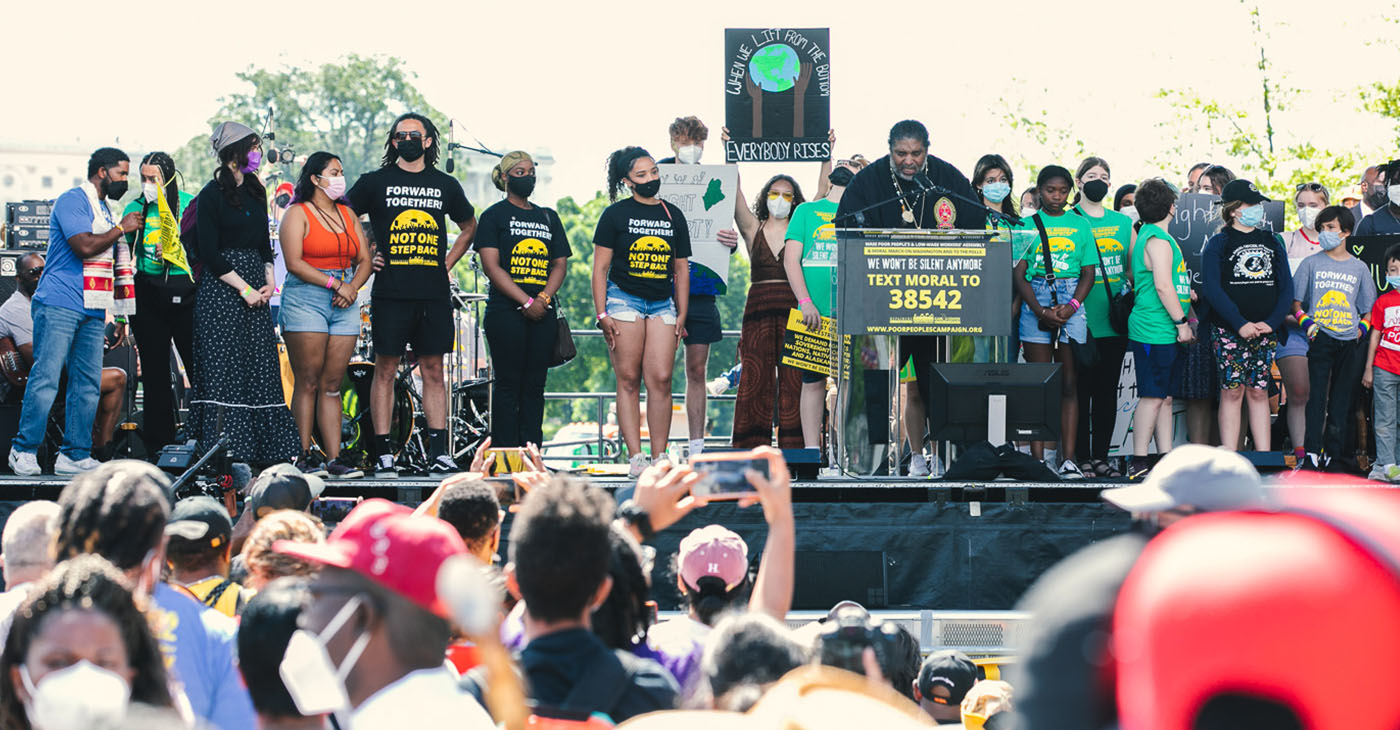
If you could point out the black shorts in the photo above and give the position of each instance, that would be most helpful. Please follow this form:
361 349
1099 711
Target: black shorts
426 324
810 377
702 326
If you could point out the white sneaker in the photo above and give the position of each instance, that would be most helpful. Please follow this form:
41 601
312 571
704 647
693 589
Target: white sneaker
65 466
1070 470
1378 473
24 463
638 463
918 466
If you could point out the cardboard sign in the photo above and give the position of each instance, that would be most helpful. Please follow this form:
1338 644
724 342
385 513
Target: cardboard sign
1122 442
923 283
1371 250
1198 218
805 348
705 195
777 94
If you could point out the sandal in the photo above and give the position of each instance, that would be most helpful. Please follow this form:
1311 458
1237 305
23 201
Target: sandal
1104 470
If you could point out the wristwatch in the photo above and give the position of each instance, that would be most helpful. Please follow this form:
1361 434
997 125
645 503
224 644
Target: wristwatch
633 514
1181 321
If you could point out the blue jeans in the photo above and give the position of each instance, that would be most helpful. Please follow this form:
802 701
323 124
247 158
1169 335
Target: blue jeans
62 336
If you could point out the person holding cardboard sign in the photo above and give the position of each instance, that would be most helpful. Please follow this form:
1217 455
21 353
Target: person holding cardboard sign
641 252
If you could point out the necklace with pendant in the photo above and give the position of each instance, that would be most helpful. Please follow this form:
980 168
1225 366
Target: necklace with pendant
907 213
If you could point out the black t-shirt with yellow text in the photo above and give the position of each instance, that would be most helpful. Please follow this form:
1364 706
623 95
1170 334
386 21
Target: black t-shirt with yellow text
645 240
408 212
527 239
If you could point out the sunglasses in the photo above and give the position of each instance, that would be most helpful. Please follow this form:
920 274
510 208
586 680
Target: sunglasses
33 273
1312 186
407 135
784 196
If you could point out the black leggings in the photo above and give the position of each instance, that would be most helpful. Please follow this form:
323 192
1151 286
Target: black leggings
520 353
157 323
1098 399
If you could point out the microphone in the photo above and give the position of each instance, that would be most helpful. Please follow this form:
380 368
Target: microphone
451 164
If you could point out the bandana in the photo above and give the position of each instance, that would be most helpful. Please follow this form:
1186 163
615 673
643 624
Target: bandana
511 159
101 288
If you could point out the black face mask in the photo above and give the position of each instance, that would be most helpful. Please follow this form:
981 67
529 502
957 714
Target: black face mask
115 189
410 149
647 189
28 285
521 186
841 177
1095 190
1376 199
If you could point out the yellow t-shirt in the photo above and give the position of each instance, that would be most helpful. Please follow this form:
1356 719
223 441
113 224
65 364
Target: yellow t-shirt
221 594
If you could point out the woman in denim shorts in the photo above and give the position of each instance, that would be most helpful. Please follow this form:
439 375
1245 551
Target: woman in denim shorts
326 266
641 287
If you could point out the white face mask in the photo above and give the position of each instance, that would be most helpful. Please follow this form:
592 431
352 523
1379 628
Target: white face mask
1308 216
150 192
689 154
82 696
1394 192
1130 211
335 187
312 679
779 208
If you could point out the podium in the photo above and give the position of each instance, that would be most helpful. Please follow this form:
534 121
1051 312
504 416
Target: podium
902 282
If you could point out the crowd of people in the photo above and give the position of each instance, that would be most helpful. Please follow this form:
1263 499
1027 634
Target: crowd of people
1095 277
123 610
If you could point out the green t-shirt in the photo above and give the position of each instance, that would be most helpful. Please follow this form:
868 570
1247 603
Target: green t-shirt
1112 233
811 224
1149 323
148 259
1071 245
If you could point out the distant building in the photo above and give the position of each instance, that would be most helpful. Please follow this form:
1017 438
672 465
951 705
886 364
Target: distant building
474 170
40 172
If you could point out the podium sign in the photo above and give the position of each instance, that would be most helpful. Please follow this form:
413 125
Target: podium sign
922 282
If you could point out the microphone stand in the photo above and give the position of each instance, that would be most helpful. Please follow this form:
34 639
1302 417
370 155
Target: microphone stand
926 185
858 216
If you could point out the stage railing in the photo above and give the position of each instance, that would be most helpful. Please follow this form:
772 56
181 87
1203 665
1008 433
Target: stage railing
601 411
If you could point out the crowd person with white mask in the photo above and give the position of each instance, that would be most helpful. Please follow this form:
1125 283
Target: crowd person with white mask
119 511
267 626
24 553
1292 354
763 384
80 653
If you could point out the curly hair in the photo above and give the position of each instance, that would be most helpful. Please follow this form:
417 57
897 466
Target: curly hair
117 510
690 128
265 564
760 204
559 545
86 583
430 131
619 164
473 510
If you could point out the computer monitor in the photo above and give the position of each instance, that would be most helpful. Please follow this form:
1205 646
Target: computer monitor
965 399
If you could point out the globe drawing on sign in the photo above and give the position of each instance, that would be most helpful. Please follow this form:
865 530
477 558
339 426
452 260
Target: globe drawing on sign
774 68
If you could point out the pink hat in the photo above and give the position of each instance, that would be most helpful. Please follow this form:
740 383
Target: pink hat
391 546
714 551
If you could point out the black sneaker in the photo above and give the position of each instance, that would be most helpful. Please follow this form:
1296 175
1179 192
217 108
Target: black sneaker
443 465
1312 462
386 469
308 464
1137 469
342 467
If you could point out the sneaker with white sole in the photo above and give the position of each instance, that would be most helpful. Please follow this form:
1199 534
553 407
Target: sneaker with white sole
1378 473
386 469
24 463
64 466
638 464
1070 470
918 466
443 464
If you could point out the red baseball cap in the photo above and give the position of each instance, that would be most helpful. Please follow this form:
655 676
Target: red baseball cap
715 551
391 546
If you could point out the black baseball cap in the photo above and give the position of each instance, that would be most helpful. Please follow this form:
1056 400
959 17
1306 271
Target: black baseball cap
952 669
1242 191
283 487
200 520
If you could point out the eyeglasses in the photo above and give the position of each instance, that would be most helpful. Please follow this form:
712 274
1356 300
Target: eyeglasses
784 196
401 136
32 273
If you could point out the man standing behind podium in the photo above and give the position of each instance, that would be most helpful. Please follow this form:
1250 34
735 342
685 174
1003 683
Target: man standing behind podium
910 171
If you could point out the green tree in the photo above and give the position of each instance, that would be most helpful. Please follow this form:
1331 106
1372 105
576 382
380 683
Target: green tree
344 107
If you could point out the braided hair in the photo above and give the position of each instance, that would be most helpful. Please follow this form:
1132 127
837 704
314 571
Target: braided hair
430 131
91 584
117 510
622 618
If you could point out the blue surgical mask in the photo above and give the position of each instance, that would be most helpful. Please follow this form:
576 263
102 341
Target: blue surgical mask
1329 240
996 192
1251 217
1394 282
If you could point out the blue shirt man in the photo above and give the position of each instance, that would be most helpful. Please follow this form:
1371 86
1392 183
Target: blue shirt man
67 334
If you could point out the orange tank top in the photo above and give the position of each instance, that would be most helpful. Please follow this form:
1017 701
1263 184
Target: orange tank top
327 249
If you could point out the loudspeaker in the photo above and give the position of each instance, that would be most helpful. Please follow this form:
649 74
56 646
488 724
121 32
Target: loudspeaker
9 271
1266 461
803 463
824 578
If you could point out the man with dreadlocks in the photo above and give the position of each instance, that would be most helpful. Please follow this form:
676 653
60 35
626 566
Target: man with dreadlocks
408 201
164 292
119 511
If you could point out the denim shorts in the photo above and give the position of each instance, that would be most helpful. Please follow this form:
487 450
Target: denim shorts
1075 329
625 307
307 307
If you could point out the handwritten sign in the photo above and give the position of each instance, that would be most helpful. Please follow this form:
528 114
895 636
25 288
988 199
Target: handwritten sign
777 92
1198 218
1371 250
705 194
805 348
1122 440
